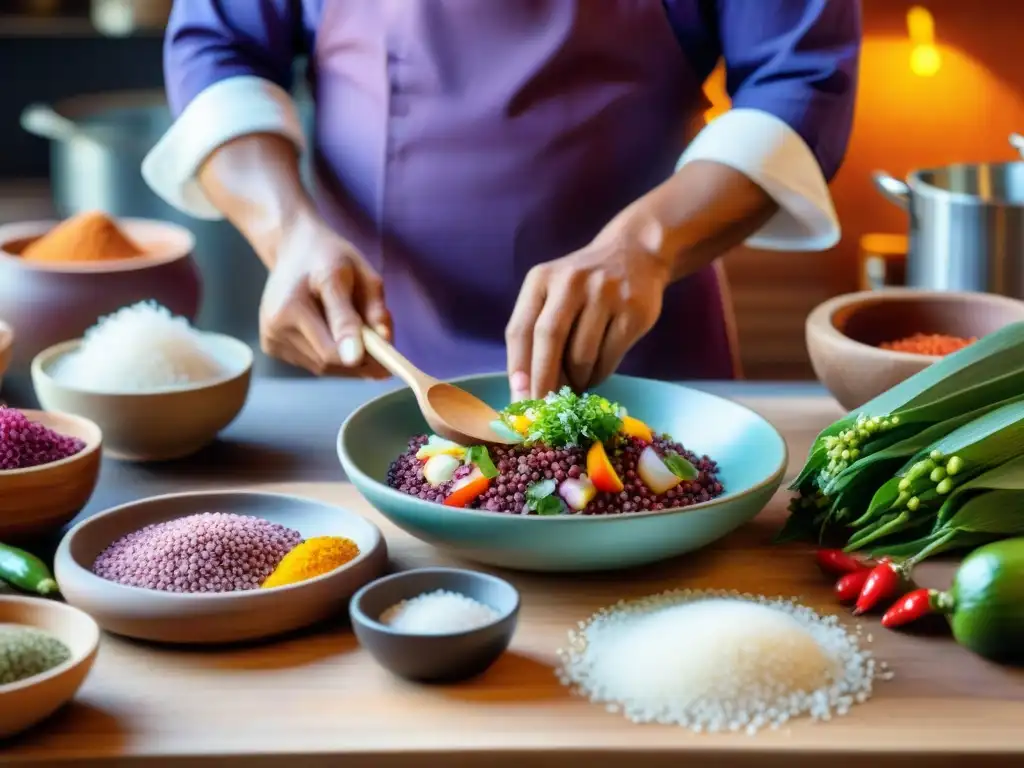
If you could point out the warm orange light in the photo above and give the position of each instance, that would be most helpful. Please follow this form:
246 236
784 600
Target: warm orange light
924 57
716 93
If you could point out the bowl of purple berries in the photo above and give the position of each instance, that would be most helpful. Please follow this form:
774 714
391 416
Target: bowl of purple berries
49 465
634 472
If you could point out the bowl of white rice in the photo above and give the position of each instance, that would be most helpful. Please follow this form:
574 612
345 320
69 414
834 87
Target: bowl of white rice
157 387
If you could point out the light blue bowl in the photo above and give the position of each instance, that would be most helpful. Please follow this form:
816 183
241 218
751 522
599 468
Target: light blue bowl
751 455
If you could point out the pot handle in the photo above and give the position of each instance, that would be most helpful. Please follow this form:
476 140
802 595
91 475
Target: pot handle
44 121
894 190
1017 142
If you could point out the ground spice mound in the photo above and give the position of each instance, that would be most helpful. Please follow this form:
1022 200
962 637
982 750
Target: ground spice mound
25 443
519 466
718 661
935 344
208 552
90 236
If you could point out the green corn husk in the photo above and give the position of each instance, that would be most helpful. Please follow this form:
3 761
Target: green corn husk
988 371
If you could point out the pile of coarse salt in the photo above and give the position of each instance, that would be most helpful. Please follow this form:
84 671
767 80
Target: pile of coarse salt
718 661
438 613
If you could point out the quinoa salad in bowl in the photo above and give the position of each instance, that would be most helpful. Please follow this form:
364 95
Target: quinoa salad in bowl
573 455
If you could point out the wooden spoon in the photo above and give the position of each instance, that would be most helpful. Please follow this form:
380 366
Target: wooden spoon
450 412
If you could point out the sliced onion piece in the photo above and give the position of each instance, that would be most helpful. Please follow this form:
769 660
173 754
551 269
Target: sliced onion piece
439 469
577 492
655 473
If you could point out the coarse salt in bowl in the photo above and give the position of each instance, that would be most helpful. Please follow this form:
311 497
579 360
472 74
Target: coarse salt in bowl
436 624
158 388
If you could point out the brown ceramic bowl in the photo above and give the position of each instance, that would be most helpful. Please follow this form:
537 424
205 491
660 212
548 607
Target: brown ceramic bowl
49 303
843 335
156 425
39 500
6 348
30 701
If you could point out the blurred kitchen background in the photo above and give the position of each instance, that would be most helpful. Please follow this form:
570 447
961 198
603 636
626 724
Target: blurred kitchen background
941 82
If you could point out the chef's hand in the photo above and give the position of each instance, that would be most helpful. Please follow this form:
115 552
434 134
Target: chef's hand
320 292
576 317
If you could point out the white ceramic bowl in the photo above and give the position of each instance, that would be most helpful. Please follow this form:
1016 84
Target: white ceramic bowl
157 425
30 701
215 618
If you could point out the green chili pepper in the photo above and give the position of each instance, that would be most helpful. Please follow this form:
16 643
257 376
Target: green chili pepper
25 571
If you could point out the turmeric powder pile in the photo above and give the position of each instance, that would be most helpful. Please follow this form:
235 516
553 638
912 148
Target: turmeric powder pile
313 557
90 236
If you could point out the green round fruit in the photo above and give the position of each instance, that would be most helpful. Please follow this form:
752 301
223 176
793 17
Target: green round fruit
988 592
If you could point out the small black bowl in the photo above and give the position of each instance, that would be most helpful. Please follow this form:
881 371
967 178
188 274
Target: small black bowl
436 657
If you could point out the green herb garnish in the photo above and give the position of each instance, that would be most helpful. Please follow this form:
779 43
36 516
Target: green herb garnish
540 490
564 419
541 498
481 457
680 467
550 505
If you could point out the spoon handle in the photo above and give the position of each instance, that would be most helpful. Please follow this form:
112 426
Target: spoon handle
385 354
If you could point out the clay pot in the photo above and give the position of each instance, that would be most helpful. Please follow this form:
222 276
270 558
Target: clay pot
843 334
49 303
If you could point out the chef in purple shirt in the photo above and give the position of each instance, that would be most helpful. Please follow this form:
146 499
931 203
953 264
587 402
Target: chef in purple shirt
520 183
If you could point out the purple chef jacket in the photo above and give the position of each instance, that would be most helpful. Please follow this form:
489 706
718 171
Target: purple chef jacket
459 143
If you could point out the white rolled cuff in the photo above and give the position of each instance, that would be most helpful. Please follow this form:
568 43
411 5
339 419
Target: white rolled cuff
234 107
775 157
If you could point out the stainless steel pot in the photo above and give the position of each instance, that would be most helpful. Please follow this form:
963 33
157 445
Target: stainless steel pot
98 143
966 226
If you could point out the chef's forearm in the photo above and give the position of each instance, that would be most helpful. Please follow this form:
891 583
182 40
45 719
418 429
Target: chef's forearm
703 211
255 182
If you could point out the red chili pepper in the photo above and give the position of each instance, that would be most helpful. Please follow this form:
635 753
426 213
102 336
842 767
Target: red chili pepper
882 582
850 585
835 562
910 607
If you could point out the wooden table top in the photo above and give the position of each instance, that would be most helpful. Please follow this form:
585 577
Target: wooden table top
319 699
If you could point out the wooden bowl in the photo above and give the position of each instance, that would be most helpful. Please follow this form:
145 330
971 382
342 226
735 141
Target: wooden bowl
49 303
843 335
170 617
157 425
6 349
39 500
28 702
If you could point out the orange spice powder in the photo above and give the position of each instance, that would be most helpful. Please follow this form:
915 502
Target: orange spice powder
937 344
90 236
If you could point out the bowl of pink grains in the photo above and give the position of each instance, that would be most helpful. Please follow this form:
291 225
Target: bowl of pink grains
634 472
49 465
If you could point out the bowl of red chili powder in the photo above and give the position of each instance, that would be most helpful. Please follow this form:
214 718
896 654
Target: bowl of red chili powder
862 344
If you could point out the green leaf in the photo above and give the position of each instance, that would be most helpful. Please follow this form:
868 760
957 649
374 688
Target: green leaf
998 512
680 467
1007 476
540 490
796 528
986 441
481 457
932 544
550 505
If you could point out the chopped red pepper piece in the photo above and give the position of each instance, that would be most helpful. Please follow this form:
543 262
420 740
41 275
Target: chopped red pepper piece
465 494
